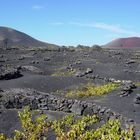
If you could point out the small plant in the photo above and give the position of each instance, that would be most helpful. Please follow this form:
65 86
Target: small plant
92 90
32 130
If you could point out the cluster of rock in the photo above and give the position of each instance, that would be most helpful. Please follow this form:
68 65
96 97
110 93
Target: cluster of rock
130 62
3 58
92 76
137 99
127 89
128 66
34 62
7 73
83 73
131 71
31 69
46 59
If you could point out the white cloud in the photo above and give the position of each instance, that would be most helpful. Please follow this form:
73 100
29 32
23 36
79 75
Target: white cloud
114 29
108 27
117 29
37 7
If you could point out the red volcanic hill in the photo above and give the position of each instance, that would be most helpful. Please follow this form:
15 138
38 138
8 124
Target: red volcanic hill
131 42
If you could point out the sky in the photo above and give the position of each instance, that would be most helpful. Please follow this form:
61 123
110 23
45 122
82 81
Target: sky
73 22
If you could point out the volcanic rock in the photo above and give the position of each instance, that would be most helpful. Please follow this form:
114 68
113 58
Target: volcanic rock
77 108
31 69
7 73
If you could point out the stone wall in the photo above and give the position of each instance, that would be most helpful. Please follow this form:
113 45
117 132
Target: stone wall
19 98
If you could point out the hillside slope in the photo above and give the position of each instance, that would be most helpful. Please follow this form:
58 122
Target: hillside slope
10 37
131 42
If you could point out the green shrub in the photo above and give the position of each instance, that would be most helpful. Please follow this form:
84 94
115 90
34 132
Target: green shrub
69 128
32 130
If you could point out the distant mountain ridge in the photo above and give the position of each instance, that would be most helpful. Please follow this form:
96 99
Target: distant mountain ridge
130 42
11 37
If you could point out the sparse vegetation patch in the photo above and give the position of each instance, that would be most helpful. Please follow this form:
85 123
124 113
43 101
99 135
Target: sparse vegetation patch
61 73
92 90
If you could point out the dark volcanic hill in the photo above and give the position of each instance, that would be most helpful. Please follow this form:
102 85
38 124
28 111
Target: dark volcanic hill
131 42
12 38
